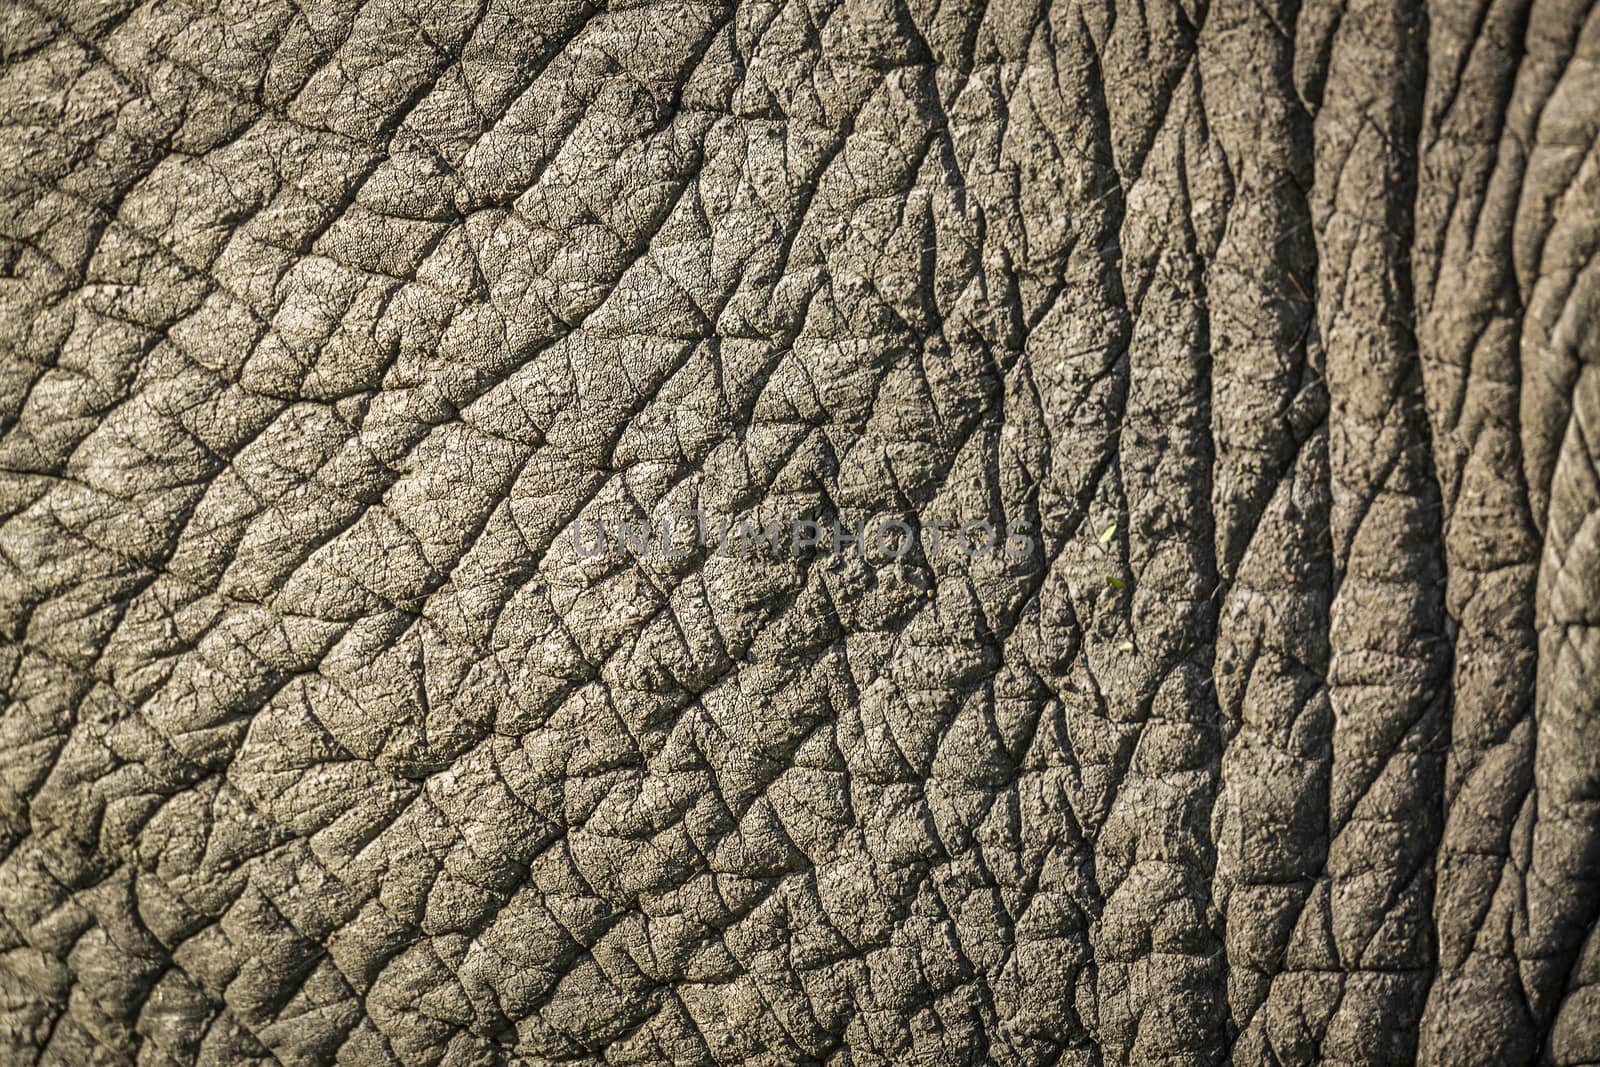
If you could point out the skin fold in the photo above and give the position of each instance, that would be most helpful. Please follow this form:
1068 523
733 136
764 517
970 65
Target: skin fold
330 333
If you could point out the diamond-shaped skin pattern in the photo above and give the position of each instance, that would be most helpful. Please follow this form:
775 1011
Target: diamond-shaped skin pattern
329 330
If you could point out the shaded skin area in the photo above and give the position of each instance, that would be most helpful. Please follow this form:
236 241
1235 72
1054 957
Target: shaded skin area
328 332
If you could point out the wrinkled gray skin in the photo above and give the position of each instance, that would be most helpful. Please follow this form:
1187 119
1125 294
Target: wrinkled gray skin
323 323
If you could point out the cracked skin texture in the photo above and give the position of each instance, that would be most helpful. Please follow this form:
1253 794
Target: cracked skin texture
322 323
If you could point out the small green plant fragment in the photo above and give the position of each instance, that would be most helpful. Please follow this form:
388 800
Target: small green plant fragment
1115 583
1126 646
1108 533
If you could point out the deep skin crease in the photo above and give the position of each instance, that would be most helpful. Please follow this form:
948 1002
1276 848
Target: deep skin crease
326 328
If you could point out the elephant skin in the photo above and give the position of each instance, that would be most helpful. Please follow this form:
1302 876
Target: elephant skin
326 329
